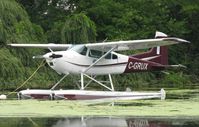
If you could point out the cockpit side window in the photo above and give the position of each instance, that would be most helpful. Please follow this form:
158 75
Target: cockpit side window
95 53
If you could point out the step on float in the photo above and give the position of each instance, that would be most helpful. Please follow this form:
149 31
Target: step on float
88 95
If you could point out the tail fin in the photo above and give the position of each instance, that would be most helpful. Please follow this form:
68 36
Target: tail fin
160 35
160 55
157 54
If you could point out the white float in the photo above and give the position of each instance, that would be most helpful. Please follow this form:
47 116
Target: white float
88 95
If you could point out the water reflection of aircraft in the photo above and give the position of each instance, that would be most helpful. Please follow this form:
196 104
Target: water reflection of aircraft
108 121
91 122
90 60
148 123
125 122
111 122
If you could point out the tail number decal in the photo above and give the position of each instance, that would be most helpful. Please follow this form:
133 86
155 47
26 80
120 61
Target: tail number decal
137 66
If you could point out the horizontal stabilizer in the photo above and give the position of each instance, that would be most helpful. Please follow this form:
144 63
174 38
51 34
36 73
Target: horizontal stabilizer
177 66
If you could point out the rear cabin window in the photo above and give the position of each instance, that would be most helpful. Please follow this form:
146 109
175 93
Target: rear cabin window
114 56
109 56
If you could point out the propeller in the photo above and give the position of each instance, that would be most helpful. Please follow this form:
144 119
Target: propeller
51 55
38 57
55 56
47 56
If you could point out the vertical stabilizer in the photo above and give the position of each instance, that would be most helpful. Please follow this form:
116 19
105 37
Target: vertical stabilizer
160 35
163 50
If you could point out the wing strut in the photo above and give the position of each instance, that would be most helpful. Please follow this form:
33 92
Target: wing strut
59 81
93 79
82 81
98 82
111 82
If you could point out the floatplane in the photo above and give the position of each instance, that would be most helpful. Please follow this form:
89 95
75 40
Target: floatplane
93 59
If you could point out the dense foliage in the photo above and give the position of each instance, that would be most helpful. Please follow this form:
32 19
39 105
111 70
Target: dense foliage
76 29
80 21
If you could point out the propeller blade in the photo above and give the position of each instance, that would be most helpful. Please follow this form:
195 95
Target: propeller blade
38 57
55 56
48 56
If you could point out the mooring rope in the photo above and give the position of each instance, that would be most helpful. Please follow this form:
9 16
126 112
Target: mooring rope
41 64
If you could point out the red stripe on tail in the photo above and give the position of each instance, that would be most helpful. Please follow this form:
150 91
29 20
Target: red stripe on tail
156 54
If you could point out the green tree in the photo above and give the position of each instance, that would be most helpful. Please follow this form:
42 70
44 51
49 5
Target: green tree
15 27
47 12
76 29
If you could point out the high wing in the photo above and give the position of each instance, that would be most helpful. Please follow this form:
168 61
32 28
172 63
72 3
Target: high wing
116 45
46 46
135 44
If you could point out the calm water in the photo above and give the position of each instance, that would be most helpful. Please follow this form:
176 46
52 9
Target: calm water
89 121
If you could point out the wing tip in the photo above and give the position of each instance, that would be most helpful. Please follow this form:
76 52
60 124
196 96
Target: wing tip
10 45
179 40
159 34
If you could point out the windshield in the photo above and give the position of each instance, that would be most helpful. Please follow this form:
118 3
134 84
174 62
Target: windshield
81 49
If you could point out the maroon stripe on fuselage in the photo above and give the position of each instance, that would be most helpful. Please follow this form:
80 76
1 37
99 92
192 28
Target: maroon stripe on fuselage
103 65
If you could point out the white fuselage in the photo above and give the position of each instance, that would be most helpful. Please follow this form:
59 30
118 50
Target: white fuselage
76 62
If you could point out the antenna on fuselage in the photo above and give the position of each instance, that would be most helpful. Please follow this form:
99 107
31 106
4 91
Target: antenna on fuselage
105 40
